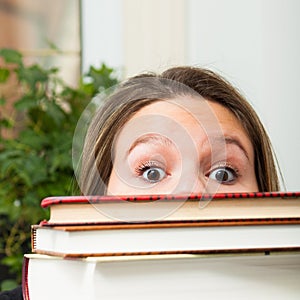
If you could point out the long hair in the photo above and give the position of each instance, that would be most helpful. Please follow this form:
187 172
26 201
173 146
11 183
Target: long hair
138 92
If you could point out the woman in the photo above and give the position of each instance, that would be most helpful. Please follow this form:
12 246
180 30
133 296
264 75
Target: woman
195 102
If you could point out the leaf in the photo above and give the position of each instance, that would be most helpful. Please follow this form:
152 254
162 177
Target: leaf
12 261
11 56
32 139
6 123
32 75
36 168
88 88
53 46
2 101
101 78
6 167
4 74
8 284
9 153
25 103
55 112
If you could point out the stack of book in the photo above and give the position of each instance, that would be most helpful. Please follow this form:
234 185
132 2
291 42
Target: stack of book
235 246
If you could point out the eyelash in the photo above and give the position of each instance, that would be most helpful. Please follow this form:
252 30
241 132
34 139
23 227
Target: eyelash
143 167
228 167
140 169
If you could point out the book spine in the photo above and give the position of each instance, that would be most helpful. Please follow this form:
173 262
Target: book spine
33 238
25 289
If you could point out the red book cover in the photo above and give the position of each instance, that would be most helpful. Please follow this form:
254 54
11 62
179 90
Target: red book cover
25 278
170 208
46 202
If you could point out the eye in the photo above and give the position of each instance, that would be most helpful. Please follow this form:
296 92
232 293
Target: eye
154 174
151 172
224 175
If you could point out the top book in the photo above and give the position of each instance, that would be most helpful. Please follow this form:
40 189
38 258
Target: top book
226 208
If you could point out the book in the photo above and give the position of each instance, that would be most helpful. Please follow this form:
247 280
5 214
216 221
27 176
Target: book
248 276
120 209
168 238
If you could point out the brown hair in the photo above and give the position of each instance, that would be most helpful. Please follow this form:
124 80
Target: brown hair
139 91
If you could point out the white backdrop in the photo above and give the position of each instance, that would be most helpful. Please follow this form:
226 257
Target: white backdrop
253 43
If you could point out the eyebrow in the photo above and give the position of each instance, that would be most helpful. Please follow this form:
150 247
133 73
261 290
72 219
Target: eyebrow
164 141
232 141
152 139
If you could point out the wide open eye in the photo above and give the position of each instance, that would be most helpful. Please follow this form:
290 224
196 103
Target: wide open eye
154 174
224 175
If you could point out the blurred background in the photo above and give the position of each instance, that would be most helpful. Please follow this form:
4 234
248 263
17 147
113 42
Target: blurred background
253 43
69 49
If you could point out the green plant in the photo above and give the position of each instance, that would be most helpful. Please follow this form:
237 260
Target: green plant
38 161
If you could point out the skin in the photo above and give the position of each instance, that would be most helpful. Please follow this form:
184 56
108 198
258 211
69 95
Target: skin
182 146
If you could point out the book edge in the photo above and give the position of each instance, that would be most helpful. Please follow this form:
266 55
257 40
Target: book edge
48 201
163 254
25 288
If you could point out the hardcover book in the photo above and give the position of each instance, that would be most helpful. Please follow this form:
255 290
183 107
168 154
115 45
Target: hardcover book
165 208
248 276
168 238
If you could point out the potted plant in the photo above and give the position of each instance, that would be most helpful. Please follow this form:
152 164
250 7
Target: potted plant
36 162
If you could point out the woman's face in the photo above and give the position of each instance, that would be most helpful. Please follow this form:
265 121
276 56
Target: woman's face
182 146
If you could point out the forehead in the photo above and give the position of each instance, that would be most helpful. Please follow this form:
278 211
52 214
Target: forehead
192 112
178 107
185 118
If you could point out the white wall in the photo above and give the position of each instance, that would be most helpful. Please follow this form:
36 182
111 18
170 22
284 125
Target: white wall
102 33
256 45
133 35
253 43
154 34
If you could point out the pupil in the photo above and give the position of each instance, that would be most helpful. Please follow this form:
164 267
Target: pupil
153 175
222 175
